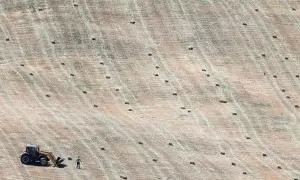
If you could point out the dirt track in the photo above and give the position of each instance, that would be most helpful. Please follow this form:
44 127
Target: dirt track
159 84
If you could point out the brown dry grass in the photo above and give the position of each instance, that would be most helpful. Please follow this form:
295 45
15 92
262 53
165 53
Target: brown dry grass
68 124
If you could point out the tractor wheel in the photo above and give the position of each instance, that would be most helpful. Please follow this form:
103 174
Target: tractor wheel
25 159
44 161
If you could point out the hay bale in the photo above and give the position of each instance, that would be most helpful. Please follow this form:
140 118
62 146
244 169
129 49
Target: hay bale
123 177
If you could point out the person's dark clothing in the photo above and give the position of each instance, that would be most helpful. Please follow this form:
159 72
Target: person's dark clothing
78 163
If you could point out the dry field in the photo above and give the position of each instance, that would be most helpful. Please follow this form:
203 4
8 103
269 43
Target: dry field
151 89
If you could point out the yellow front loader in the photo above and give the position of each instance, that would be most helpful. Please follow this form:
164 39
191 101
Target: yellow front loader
56 161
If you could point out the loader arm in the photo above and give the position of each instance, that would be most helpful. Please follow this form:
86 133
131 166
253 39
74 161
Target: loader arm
56 161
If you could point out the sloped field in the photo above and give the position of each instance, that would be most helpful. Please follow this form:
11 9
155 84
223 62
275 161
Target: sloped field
151 89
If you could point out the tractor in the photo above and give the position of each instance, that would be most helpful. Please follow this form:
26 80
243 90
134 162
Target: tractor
33 155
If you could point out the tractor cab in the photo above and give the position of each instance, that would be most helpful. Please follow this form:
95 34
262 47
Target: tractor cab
32 150
32 155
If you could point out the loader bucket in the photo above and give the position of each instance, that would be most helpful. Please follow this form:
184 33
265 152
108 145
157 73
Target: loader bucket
59 160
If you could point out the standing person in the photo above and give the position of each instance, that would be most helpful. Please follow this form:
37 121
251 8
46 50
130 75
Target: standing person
78 161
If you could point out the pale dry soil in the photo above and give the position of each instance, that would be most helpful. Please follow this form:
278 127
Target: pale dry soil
151 89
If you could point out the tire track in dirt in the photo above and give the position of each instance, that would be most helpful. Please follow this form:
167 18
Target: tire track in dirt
275 84
122 131
91 115
184 13
157 63
173 75
27 86
54 143
15 107
211 66
133 96
6 140
199 71
249 39
227 12
123 85
73 125
282 99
